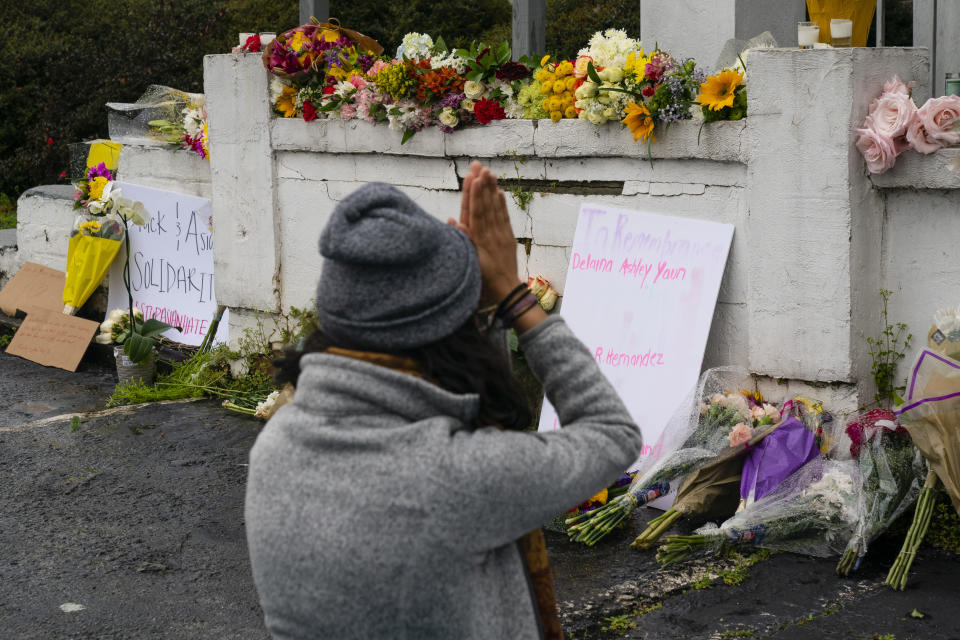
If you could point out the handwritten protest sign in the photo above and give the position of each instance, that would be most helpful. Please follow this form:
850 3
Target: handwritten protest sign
640 293
51 338
171 264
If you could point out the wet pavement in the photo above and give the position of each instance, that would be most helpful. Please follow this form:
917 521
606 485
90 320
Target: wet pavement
136 515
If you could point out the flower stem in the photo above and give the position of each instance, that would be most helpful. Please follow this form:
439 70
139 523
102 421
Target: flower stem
656 528
897 577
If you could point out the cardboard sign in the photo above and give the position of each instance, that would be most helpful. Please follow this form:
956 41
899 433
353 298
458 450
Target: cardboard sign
640 293
171 264
53 339
34 286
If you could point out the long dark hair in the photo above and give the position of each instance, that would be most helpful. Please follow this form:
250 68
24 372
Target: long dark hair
466 361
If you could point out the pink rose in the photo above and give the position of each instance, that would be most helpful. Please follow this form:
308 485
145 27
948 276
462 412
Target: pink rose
358 81
740 434
580 66
939 116
879 151
891 113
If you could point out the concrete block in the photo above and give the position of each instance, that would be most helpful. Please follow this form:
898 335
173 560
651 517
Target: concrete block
525 167
940 170
549 262
635 187
299 238
699 29
45 218
727 342
430 173
498 138
165 168
252 324
571 138
352 136
641 170
243 175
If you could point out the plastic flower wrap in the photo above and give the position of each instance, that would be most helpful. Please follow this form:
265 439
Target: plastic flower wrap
698 431
891 474
813 512
159 116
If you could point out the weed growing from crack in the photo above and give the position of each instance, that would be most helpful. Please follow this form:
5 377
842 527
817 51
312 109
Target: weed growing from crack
618 623
75 424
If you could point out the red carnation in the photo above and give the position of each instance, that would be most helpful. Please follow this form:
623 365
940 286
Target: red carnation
486 110
252 44
648 92
329 90
309 111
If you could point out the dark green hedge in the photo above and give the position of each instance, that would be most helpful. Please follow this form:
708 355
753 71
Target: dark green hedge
64 59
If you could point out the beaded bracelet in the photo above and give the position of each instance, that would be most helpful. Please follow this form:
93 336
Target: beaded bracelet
519 308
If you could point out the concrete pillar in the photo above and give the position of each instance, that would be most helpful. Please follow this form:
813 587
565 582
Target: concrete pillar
699 28
815 269
242 173
529 27
936 25
319 9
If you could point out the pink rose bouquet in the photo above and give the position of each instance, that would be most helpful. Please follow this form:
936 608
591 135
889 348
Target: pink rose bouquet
932 126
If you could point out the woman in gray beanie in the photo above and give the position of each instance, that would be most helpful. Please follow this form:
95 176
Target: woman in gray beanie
387 499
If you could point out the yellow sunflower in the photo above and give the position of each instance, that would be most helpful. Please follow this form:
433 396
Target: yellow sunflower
90 227
287 102
719 90
639 122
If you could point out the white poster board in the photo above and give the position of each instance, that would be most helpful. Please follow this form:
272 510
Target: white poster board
640 293
171 264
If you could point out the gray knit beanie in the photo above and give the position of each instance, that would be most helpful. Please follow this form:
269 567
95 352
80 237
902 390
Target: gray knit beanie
394 277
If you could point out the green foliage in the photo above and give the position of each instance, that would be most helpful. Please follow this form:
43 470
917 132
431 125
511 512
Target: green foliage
944 531
75 424
65 60
521 196
8 212
703 582
737 112
571 23
887 350
618 623
5 339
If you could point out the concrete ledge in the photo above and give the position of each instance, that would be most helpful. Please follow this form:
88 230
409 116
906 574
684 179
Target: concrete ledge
574 138
352 136
53 191
8 238
165 168
44 220
940 170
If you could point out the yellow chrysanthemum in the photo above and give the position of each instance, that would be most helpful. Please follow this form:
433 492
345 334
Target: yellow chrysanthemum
556 116
90 227
565 68
95 187
542 75
600 498
286 103
639 122
544 60
570 112
546 88
569 83
719 90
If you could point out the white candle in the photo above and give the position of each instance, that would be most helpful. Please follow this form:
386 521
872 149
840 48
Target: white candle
808 36
841 28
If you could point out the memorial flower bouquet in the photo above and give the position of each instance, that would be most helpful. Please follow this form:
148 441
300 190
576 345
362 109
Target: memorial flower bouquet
705 424
813 511
187 129
895 124
98 230
891 474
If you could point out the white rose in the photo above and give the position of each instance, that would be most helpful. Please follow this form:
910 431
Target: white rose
596 118
115 315
467 105
603 98
614 74
586 90
609 113
473 90
107 326
104 338
448 117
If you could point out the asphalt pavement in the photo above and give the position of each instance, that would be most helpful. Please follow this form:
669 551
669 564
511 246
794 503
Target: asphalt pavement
128 523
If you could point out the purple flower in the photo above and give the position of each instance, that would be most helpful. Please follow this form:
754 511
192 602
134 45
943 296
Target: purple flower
99 171
452 100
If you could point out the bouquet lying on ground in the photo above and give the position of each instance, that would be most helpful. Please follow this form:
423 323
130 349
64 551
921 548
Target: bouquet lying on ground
711 419
813 511
891 472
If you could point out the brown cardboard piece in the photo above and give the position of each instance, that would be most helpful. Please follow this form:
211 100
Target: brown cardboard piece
53 339
34 286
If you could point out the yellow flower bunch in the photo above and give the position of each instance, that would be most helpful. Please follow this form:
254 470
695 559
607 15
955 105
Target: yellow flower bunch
96 187
557 83
636 66
89 227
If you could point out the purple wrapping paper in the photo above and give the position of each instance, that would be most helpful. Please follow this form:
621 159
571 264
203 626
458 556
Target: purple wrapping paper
775 457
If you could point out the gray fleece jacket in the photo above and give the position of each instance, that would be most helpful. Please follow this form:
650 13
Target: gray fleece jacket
374 511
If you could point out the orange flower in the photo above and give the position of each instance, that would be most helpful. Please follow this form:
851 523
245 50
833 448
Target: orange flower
639 122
